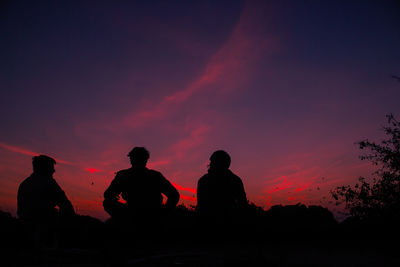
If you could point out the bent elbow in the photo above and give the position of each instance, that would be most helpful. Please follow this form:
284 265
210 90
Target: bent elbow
175 198
108 195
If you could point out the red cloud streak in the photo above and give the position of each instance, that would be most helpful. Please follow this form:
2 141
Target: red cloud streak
92 170
192 190
18 150
194 199
29 153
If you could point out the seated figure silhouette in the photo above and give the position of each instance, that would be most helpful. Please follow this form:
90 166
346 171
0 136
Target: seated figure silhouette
142 190
220 193
42 204
39 195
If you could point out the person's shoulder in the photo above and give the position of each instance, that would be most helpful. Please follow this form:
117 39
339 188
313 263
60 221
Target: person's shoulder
24 183
124 172
235 177
155 173
26 180
29 180
204 178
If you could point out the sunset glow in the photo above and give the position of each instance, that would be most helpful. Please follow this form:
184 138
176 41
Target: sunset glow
286 91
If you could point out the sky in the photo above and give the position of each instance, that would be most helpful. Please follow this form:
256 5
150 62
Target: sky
287 88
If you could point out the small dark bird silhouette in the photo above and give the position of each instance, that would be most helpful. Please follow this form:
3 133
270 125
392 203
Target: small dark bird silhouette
396 77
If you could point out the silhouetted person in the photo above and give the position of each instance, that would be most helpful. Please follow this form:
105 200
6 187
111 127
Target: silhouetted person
39 194
220 193
41 202
142 190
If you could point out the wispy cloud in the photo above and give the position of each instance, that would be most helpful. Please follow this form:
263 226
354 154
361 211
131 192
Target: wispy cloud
156 164
195 138
226 70
18 150
29 152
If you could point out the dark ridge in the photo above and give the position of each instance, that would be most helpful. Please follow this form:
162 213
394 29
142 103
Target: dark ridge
181 238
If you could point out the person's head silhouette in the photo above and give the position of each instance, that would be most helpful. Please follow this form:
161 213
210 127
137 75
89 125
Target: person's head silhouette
139 157
43 165
220 161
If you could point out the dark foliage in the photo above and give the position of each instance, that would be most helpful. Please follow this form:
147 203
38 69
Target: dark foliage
381 198
9 230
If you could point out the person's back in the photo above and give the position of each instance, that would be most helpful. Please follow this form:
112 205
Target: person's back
141 188
220 193
36 197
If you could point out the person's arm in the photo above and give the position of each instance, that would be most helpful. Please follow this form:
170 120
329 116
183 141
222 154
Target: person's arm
170 192
114 190
199 195
241 194
21 203
62 201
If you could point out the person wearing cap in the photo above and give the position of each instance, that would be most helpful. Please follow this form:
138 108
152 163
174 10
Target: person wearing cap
220 193
42 205
39 196
141 188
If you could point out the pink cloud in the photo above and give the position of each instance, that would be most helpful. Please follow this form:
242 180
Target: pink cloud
305 186
195 138
156 164
285 184
226 70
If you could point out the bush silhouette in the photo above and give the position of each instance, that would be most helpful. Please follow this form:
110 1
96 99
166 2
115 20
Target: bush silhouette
381 198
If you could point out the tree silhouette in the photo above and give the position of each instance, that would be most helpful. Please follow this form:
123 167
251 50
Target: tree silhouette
382 196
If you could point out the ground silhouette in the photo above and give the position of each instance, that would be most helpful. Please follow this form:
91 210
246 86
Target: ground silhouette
310 235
